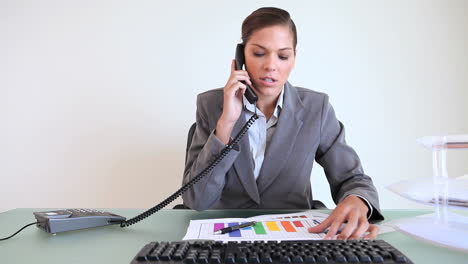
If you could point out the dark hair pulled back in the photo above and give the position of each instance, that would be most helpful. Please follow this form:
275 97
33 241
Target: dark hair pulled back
266 17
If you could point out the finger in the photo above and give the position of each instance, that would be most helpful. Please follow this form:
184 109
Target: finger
243 78
240 72
363 227
350 227
233 83
244 75
237 76
233 65
373 231
320 227
235 87
241 91
334 228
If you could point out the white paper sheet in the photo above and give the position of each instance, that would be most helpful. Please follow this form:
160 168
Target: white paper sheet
268 227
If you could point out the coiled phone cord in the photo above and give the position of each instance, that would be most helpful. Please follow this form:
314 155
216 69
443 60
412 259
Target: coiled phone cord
197 178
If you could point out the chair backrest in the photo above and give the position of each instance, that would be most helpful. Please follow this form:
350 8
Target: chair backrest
189 142
189 139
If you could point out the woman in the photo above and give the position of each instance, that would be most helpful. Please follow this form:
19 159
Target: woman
271 165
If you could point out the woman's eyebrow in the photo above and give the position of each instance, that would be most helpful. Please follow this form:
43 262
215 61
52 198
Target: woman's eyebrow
260 46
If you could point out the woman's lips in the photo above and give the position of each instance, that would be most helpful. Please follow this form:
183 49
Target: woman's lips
267 81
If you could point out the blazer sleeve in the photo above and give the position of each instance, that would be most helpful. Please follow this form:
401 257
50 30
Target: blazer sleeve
204 148
342 165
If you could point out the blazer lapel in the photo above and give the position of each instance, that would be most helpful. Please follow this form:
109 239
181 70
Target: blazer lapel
280 147
243 165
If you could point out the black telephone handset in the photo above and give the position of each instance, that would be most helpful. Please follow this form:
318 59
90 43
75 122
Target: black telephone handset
240 61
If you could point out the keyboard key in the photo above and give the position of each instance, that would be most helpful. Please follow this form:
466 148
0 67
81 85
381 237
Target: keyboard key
297 259
377 258
153 257
309 259
285 259
202 260
145 251
340 258
350 257
241 259
230 259
254 259
385 254
398 257
216 259
266 259
322 258
365 259
190 260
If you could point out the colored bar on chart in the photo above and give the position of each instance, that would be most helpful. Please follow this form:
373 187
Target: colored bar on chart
272 226
287 226
218 226
235 233
298 224
259 229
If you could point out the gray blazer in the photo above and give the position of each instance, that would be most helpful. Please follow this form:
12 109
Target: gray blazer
307 130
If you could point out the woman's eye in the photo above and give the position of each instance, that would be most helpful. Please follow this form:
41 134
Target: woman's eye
283 57
258 54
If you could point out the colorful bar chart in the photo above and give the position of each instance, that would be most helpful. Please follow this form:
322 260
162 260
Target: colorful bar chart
267 227
271 229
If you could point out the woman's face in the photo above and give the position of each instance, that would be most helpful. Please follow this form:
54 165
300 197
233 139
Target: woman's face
269 58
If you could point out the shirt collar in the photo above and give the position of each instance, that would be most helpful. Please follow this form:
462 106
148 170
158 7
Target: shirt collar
278 107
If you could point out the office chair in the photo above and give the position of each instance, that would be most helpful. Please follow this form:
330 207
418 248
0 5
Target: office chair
189 142
316 204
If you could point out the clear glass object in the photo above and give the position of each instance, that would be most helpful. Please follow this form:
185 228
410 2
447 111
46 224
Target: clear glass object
442 228
439 146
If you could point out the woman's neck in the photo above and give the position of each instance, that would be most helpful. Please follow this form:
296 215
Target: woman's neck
267 105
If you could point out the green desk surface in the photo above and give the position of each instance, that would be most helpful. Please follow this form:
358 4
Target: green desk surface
112 244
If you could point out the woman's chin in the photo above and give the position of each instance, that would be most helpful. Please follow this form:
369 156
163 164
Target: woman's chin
268 91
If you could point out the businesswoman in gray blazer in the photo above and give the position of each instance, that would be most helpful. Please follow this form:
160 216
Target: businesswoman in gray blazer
271 166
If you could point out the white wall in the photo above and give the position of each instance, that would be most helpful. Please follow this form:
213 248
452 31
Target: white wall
97 96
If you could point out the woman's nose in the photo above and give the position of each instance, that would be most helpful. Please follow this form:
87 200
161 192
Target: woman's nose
270 63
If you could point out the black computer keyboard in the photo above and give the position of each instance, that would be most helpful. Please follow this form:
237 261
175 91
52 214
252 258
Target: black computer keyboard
270 252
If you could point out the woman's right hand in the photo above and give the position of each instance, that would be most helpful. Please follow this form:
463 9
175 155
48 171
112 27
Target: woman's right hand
232 104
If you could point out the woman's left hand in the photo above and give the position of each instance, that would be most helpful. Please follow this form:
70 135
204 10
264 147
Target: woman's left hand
352 211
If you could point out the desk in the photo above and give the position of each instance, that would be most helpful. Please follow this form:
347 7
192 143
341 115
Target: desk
112 244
